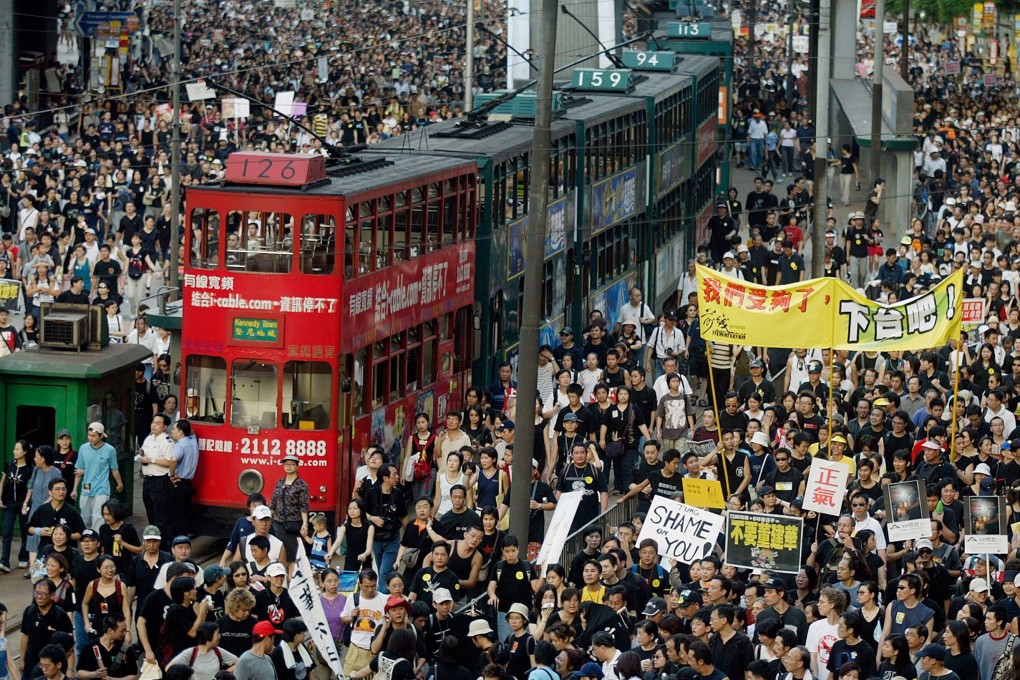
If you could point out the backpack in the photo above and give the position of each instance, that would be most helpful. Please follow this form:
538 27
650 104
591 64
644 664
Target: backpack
166 650
96 615
829 568
216 650
347 631
136 266
386 666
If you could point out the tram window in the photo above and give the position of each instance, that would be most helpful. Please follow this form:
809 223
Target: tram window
306 393
206 388
508 193
413 358
450 220
366 238
268 243
389 253
465 339
547 288
429 341
433 224
236 256
419 233
205 228
359 382
429 348
383 243
380 383
318 244
253 398
398 380
400 236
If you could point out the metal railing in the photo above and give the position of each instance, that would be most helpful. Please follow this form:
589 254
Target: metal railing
614 516
166 300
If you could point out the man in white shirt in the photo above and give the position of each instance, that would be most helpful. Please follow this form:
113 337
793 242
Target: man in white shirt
635 308
145 336
823 633
664 342
661 388
862 521
997 409
603 646
757 130
363 612
156 460
934 162
262 520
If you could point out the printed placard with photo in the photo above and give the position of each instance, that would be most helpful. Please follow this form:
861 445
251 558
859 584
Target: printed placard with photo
907 511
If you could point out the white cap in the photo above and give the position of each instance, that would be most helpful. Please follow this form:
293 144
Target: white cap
262 512
276 569
978 585
760 438
441 595
982 469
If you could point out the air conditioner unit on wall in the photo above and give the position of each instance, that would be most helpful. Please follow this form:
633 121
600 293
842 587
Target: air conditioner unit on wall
64 326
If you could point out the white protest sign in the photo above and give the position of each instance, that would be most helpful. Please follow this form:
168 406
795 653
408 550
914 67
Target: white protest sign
826 487
284 103
801 44
199 91
236 107
559 529
995 544
682 532
305 595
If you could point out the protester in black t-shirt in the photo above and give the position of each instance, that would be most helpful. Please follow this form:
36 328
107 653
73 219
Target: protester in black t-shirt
40 621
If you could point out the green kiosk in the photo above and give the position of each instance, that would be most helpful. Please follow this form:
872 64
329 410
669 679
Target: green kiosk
69 382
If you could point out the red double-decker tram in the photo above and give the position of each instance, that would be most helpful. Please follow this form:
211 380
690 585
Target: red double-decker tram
325 302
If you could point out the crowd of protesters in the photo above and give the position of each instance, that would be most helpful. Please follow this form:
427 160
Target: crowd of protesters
628 407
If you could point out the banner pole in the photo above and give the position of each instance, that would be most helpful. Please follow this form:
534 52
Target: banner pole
715 409
832 392
956 395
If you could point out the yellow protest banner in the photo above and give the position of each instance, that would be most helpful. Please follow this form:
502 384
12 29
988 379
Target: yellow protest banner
738 313
825 313
703 493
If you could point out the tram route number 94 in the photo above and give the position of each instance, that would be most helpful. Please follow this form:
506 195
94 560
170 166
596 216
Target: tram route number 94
259 446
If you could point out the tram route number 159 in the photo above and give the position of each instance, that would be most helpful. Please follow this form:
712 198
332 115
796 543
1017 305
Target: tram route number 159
259 446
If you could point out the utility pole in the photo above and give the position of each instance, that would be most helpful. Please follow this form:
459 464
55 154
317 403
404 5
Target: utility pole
905 31
818 84
469 60
534 238
876 91
175 151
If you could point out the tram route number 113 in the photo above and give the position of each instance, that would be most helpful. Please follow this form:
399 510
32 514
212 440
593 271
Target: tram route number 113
262 446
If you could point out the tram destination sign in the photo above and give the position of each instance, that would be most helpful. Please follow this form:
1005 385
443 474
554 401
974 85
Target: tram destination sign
246 329
700 30
649 61
280 169
601 80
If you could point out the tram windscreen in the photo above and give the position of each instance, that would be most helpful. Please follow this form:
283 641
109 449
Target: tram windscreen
253 400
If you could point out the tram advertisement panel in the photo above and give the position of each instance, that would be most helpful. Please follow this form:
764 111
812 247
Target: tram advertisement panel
706 140
382 303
